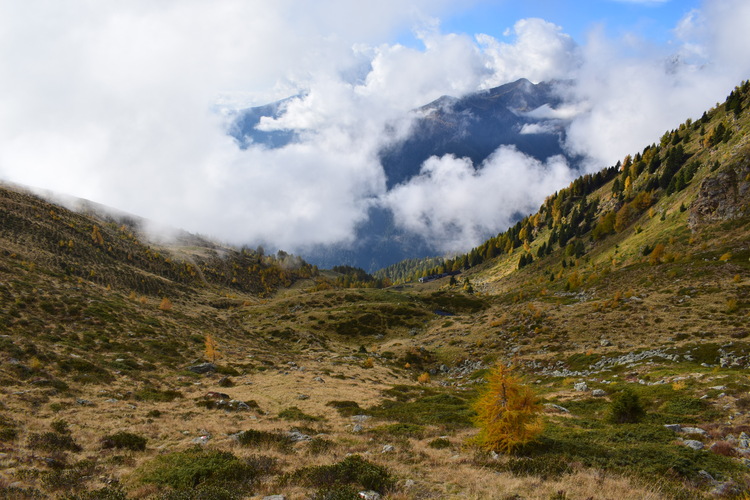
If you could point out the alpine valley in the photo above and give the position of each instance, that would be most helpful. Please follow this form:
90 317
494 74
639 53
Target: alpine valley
135 367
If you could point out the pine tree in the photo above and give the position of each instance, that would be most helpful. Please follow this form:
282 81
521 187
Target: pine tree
507 413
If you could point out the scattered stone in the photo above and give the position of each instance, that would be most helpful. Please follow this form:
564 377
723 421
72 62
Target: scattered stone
361 418
369 495
303 397
111 400
581 387
557 407
202 439
725 489
410 483
388 448
674 427
274 497
693 444
693 430
84 402
203 368
297 436
605 343
319 379
598 393
216 395
357 428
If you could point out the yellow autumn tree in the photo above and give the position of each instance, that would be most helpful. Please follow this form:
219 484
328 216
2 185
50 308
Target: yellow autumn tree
508 415
212 349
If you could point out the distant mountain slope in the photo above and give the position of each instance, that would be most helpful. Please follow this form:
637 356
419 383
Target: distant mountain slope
654 206
472 126
476 125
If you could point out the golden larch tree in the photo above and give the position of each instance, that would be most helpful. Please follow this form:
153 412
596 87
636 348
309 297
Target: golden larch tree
508 415
212 349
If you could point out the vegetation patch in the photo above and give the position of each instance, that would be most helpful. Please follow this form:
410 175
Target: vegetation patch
437 409
264 439
125 440
294 413
157 395
352 471
346 408
199 468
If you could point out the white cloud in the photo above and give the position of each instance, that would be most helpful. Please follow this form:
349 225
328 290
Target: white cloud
455 206
540 52
116 102
634 91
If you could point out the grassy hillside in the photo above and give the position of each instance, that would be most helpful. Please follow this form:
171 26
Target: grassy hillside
632 281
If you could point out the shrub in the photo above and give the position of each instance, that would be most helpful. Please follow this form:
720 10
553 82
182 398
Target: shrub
157 395
295 413
266 439
626 408
53 441
198 467
439 444
508 415
125 440
352 471
424 378
345 408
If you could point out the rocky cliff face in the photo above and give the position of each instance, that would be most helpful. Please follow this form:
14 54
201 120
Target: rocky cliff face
725 195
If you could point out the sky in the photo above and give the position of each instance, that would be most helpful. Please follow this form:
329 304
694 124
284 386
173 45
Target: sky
127 103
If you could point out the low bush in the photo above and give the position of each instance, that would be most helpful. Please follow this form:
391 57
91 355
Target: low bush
295 413
352 471
346 408
53 441
125 440
197 467
626 408
265 439
439 443
157 395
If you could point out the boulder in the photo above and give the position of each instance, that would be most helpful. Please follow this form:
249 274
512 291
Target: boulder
203 368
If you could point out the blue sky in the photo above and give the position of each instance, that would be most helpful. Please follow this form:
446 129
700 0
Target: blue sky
651 19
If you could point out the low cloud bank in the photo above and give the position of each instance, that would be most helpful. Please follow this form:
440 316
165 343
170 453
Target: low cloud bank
125 104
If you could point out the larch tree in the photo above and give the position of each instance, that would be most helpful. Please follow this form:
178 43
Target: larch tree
508 415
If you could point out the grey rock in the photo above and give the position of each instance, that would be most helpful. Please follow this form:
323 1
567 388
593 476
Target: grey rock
201 439
361 418
84 402
693 444
369 495
605 343
357 428
319 379
388 448
598 393
694 430
203 368
674 427
303 397
557 407
725 489
297 436
581 387
274 497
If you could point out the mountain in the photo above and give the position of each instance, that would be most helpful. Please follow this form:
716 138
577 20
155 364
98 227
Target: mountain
476 125
131 368
472 126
